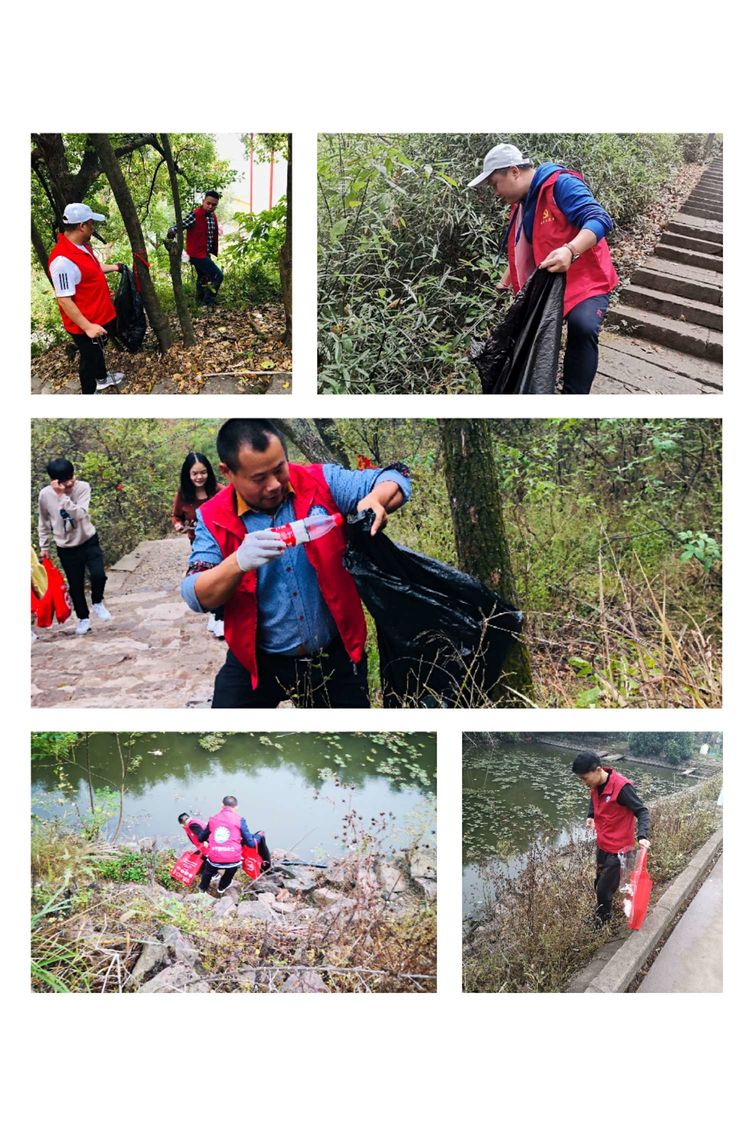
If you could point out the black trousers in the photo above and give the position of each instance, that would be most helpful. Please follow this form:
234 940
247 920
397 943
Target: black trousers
208 871
91 365
328 679
75 561
208 280
606 883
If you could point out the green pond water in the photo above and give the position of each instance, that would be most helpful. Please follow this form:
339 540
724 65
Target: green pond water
297 787
516 793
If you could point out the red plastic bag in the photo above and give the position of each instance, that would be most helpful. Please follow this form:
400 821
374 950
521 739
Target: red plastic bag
55 603
640 891
187 867
251 862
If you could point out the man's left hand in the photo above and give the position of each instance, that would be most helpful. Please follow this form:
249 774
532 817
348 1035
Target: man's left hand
559 261
644 843
381 516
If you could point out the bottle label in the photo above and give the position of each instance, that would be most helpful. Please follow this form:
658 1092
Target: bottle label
292 533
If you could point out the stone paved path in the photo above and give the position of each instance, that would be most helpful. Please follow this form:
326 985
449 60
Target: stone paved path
154 653
669 316
691 960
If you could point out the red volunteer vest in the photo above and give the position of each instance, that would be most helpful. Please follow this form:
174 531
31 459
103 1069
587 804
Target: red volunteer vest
325 555
92 294
590 275
196 242
225 841
615 825
191 835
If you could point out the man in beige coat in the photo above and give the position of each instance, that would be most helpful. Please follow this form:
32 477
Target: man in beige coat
64 517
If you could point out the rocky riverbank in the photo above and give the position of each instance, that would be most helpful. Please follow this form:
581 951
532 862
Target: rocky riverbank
365 923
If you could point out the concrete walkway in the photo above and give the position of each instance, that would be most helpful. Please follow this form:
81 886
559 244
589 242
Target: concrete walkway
691 960
669 316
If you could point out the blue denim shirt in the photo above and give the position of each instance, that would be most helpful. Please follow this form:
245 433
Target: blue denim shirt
291 611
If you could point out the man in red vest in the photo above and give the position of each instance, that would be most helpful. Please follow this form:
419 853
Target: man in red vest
293 621
557 225
224 836
83 296
202 241
616 813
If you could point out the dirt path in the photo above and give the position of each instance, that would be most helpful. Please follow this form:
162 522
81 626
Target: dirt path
235 353
665 334
154 653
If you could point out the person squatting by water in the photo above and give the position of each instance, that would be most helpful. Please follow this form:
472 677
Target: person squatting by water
556 224
615 811
293 620
202 241
197 484
64 516
224 836
83 296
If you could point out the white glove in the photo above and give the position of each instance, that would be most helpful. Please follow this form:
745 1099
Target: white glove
258 548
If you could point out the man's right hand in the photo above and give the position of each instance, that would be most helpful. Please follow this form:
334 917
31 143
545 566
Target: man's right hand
94 331
590 822
43 553
259 548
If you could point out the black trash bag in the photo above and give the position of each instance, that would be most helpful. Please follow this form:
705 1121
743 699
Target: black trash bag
520 357
131 316
443 637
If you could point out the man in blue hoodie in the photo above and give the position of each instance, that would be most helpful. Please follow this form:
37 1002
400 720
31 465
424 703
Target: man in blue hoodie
556 224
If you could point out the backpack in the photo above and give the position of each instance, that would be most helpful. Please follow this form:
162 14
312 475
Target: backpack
131 317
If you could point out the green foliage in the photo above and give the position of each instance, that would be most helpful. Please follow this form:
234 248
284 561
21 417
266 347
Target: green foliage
55 744
701 547
409 258
212 741
675 746
124 867
253 276
133 467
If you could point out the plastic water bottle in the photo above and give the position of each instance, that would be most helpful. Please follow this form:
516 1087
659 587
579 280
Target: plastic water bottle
302 531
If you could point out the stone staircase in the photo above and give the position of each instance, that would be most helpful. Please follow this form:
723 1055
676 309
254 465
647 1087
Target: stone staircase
670 314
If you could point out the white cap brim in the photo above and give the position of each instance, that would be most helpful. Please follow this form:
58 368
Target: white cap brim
99 218
481 178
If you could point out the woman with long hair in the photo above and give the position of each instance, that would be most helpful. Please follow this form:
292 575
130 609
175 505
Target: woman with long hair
197 484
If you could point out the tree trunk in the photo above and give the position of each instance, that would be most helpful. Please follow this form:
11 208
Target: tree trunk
478 524
285 254
174 247
312 444
329 431
126 207
39 248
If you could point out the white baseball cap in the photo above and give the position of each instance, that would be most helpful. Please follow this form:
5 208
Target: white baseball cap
80 213
499 157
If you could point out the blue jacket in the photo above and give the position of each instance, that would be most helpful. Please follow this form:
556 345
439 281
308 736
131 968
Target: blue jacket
574 199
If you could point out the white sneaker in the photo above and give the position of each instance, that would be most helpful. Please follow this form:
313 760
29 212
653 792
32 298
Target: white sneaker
83 626
113 379
101 611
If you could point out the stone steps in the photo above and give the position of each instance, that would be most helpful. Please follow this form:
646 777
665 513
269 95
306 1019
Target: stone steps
688 242
680 308
690 257
710 232
694 339
703 212
669 317
631 366
682 281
